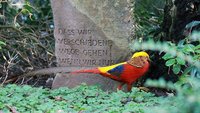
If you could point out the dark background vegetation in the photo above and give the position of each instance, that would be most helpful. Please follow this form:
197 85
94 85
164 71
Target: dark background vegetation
28 34
165 21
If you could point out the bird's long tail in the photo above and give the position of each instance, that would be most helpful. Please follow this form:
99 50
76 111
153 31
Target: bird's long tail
95 71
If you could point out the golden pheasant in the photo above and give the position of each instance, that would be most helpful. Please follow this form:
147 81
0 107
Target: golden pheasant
125 72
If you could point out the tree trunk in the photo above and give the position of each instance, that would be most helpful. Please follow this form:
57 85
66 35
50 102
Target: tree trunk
177 15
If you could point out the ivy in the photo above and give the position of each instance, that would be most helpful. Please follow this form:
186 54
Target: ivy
83 98
92 99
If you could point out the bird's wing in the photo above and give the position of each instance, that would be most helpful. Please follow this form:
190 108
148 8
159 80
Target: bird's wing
116 69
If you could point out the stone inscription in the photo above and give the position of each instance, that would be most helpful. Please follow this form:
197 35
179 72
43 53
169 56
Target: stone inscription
90 33
82 48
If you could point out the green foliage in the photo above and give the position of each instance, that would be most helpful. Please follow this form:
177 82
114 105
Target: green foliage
92 99
2 44
170 49
186 99
148 15
175 55
177 62
27 29
18 13
80 99
195 37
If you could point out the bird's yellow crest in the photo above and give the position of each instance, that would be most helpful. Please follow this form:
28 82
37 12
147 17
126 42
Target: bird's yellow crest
142 53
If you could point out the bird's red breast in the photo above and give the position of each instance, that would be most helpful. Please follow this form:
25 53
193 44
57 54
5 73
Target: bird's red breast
131 73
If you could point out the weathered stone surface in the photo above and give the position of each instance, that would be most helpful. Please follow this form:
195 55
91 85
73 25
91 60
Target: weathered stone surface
90 33
71 81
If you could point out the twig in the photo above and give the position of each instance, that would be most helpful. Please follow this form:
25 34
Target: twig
12 109
36 82
6 75
28 80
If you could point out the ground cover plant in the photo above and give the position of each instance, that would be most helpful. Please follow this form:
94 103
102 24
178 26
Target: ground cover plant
85 99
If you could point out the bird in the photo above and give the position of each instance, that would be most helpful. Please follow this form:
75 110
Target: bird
126 72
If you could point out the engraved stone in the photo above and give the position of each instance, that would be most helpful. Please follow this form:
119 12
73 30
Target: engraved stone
90 33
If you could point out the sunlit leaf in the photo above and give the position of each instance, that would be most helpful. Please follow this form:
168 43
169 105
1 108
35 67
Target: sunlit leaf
167 56
188 48
170 62
180 61
176 68
2 43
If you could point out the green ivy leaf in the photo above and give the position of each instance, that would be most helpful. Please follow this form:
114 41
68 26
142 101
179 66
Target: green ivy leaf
197 47
180 61
187 70
176 68
197 51
2 43
188 48
2 105
26 87
196 57
170 62
167 56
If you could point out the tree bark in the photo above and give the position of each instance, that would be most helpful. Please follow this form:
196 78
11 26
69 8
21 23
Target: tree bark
177 15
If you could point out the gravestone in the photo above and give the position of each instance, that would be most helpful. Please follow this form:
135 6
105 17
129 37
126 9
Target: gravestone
90 33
